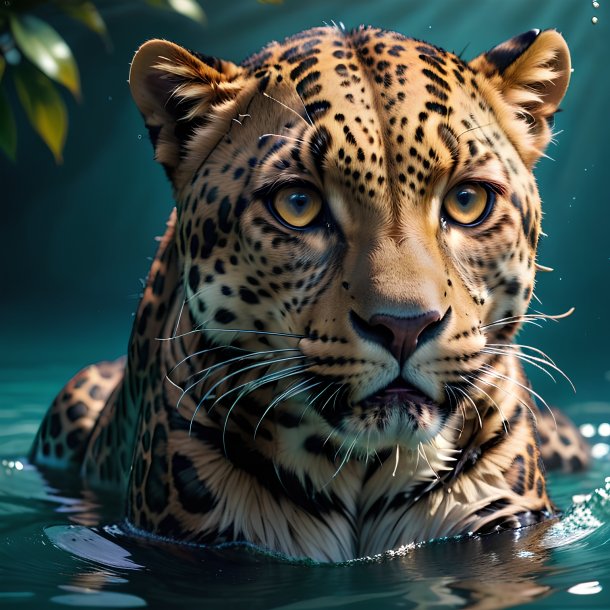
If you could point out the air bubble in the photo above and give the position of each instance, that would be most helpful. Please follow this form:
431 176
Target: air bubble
593 20
595 4
139 136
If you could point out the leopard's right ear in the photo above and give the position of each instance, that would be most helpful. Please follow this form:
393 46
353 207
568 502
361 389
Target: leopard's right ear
178 92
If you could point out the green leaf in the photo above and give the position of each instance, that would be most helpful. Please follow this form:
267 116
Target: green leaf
188 8
47 50
44 107
87 14
8 128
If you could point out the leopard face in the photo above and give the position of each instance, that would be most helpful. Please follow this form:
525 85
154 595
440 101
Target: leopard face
358 210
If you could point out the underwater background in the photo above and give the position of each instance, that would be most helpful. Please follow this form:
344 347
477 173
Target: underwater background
75 243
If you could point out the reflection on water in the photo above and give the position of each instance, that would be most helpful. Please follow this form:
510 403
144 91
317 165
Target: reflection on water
58 546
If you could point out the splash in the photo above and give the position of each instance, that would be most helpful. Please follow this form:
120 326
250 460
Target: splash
585 516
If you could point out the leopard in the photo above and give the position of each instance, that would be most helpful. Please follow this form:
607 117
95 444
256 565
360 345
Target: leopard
323 363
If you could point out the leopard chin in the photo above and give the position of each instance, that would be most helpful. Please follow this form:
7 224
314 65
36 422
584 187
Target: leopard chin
398 414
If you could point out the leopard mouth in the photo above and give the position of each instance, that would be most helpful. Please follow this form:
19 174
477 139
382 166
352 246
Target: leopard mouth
398 413
399 393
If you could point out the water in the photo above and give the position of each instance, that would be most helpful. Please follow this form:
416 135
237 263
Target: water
62 545
77 238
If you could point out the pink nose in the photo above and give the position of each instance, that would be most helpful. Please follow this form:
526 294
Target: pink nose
400 335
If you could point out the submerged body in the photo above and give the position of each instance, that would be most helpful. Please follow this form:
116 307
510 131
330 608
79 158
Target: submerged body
322 362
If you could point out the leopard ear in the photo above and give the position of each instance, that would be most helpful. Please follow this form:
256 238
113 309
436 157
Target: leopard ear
178 92
531 72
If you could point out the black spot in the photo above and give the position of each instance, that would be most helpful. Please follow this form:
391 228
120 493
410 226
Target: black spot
224 316
302 67
519 465
513 286
156 490
96 393
55 428
194 494
210 236
319 146
194 246
212 195
194 278
248 296
73 439
317 107
305 87
223 215
77 410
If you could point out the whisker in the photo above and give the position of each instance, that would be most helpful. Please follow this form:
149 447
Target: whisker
420 447
239 372
279 135
505 422
519 356
231 330
473 129
530 390
208 371
474 406
523 346
531 316
397 458
247 389
179 317
309 124
289 393
331 397
458 404
347 454
508 393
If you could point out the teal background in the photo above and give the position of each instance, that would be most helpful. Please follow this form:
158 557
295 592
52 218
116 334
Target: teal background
76 242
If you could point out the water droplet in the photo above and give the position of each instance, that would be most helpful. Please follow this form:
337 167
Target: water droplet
604 429
139 136
595 4
593 20
586 588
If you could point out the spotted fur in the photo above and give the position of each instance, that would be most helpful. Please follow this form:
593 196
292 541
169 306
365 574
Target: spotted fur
344 389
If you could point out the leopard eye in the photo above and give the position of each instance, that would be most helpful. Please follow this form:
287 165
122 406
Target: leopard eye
297 206
468 203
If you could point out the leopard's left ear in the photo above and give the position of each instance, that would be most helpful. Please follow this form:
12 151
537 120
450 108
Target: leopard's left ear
180 94
532 73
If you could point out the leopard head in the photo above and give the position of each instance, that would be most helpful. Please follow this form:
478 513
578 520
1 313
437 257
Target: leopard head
359 208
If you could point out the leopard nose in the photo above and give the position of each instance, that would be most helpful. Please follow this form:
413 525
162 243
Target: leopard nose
400 336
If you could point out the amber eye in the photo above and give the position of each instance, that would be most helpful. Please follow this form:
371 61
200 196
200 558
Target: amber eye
468 203
297 206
